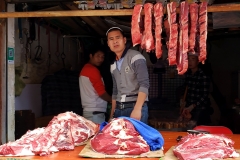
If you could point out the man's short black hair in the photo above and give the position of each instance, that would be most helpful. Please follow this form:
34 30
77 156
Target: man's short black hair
94 49
115 29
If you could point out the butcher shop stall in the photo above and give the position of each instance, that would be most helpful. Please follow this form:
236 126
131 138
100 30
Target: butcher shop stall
44 45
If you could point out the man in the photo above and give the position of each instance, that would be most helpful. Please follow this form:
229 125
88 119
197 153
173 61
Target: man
130 78
198 85
94 97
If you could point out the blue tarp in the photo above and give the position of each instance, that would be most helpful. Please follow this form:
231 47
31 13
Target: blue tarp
152 136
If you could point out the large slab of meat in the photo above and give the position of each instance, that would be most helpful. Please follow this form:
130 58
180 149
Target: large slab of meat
119 137
193 10
147 39
158 15
182 58
62 133
135 25
205 146
173 37
202 22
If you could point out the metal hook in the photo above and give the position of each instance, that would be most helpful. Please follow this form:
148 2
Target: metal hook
25 6
25 31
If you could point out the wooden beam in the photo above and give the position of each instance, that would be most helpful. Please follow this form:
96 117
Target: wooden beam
224 8
120 12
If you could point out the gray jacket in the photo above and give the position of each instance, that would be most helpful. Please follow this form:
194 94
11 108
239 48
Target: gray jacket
131 79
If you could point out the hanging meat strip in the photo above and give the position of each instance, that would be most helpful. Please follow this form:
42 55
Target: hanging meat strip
202 22
147 40
172 43
182 65
135 30
158 15
193 10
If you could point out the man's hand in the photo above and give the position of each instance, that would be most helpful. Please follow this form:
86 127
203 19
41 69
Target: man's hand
186 115
189 109
186 112
182 105
137 110
110 119
136 114
112 109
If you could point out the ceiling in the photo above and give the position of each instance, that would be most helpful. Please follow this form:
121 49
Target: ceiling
95 26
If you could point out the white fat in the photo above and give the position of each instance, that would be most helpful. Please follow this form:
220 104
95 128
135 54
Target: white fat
61 137
66 116
121 152
122 135
53 149
123 145
139 16
234 154
116 141
148 43
115 125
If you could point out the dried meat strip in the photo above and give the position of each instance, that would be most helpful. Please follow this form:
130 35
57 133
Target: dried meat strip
202 22
148 40
158 15
135 29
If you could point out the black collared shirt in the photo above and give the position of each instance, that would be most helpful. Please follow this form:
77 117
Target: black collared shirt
124 53
198 89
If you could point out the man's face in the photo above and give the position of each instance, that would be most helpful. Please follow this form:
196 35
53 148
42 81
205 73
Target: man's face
192 62
97 59
116 41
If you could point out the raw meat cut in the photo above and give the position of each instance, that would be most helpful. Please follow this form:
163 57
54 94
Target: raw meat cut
147 39
135 29
184 26
204 146
173 37
158 15
22 146
62 133
202 22
119 137
81 128
182 58
193 10
182 65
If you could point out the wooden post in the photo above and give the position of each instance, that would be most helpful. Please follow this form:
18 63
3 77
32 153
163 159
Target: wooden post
10 75
2 75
